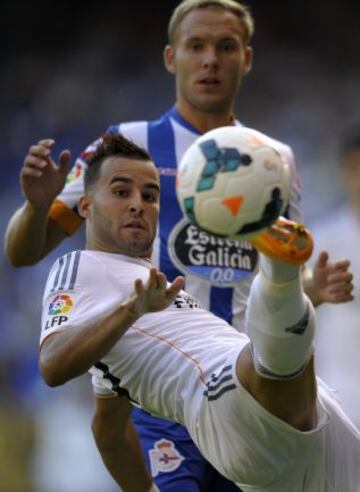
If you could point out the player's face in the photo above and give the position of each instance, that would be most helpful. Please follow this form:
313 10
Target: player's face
209 59
122 211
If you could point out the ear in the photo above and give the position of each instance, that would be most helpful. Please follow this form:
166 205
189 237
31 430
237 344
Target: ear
169 56
84 207
248 60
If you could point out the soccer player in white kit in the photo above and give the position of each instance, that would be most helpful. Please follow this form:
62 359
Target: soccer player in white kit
250 403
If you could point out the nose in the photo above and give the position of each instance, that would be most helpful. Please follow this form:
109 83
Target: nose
210 58
136 204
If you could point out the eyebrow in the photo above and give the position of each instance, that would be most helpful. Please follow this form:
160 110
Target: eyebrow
120 179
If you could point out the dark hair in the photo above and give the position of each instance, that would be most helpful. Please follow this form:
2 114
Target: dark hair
111 144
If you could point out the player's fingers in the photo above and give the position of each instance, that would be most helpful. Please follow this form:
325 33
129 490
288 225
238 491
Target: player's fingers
47 142
30 172
39 151
161 281
64 161
340 277
322 259
342 298
138 286
338 295
152 280
35 162
175 287
342 265
340 290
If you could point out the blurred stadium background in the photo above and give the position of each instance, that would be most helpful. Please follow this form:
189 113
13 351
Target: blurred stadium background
68 69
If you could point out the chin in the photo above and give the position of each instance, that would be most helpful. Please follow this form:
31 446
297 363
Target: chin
139 249
211 105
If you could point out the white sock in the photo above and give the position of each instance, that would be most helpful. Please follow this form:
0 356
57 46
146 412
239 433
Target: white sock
278 271
280 321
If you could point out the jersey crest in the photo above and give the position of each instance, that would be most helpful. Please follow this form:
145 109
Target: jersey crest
164 457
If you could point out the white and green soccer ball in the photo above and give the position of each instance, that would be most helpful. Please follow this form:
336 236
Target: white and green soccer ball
232 182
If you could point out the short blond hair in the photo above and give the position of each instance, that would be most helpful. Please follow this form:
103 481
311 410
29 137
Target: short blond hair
186 6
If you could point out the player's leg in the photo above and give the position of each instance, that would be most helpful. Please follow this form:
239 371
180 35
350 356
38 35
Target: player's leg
172 458
279 315
280 324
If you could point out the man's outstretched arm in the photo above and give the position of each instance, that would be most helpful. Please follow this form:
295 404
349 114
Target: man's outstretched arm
67 354
30 234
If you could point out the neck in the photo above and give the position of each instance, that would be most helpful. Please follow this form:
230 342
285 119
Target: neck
205 121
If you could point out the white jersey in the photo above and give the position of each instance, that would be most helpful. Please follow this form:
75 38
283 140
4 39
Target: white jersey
185 348
180 248
180 363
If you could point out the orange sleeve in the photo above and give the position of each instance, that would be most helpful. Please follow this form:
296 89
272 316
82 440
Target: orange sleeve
60 213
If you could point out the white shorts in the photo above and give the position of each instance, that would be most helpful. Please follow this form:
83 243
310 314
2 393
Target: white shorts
249 445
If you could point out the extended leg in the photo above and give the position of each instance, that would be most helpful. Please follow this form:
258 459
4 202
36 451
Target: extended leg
277 369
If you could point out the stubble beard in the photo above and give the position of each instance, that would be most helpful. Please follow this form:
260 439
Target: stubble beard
136 247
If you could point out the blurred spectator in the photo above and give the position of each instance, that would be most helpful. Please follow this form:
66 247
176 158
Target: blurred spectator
17 436
66 458
338 338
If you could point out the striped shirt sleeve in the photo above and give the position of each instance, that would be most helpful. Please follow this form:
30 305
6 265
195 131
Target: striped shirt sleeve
67 300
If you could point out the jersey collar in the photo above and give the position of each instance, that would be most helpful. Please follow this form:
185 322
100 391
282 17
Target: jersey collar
175 115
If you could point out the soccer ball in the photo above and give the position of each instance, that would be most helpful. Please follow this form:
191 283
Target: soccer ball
233 183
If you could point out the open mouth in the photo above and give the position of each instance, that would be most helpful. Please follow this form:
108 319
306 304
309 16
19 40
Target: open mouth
209 81
135 225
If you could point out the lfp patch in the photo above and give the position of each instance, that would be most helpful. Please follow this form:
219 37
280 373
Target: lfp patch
61 304
164 457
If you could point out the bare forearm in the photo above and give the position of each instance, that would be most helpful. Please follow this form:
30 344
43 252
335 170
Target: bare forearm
69 354
118 444
124 461
132 476
26 235
73 351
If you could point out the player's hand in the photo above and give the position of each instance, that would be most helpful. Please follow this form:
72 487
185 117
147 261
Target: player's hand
41 178
332 282
155 295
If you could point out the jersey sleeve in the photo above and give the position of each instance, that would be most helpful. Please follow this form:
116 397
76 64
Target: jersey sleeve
64 210
79 290
68 299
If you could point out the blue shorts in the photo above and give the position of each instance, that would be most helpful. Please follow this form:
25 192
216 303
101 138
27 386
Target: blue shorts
173 460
